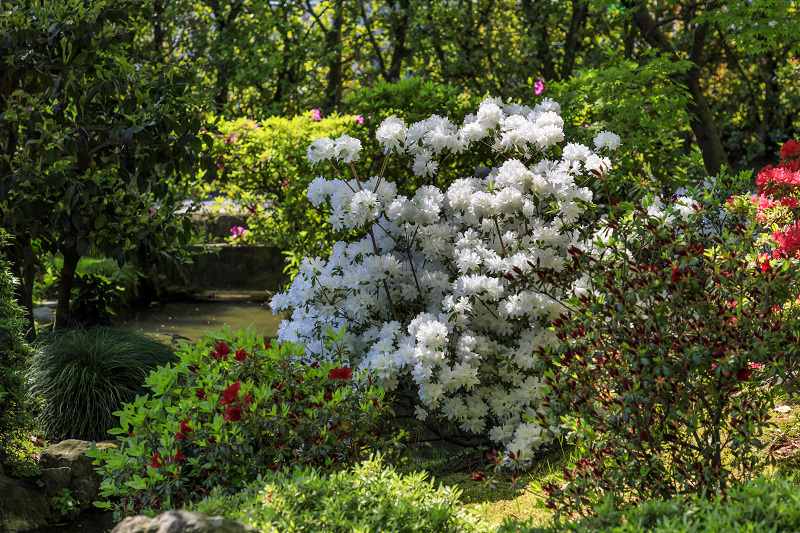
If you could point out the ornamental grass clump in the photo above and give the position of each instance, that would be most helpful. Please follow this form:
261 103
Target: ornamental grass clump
82 376
233 409
658 378
428 294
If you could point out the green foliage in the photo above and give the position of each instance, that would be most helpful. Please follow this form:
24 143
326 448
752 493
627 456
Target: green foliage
64 502
82 376
263 169
95 140
233 409
762 505
15 420
369 497
641 103
658 377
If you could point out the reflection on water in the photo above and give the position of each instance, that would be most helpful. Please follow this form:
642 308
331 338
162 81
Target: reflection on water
91 521
193 319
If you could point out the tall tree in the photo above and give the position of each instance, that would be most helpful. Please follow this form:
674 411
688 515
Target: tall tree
93 146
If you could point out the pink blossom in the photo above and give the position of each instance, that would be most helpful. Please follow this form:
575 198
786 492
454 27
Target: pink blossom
316 115
238 231
538 87
359 119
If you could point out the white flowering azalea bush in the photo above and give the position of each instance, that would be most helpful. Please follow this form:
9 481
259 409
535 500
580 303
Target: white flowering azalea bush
430 294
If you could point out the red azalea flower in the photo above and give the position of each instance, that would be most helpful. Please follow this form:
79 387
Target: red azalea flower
156 462
248 399
676 274
221 350
185 430
267 345
231 393
344 373
241 355
179 456
234 414
200 393
790 149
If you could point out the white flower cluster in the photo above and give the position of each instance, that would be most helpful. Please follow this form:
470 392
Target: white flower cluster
430 292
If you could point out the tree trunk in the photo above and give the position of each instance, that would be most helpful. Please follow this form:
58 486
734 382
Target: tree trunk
579 13
23 262
333 46
400 51
701 121
71 257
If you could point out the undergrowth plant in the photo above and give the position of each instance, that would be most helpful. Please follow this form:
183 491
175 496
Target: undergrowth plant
368 497
15 419
232 409
82 376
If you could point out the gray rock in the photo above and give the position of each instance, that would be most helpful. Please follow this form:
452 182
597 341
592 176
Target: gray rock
70 454
43 315
56 479
23 505
182 522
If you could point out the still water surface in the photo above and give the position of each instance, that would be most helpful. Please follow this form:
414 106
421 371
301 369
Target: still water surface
193 319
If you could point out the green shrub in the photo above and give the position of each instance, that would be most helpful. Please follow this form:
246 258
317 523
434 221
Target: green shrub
764 505
82 376
659 375
233 409
369 497
14 418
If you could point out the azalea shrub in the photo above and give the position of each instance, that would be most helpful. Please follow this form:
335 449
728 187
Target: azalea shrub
232 409
657 377
429 293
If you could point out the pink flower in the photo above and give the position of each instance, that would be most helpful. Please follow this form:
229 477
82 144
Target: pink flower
316 115
538 87
359 119
238 231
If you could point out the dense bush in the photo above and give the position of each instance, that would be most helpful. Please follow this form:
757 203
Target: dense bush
14 418
82 376
369 497
646 105
659 370
235 408
763 505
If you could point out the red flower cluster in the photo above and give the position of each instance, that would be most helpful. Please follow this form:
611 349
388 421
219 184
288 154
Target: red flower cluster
230 394
344 373
240 355
156 461
771 180
229 397
220 351
788 241
185 430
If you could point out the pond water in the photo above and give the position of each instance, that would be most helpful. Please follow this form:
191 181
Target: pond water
191 320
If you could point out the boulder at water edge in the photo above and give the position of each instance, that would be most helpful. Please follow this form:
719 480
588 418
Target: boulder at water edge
181 522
